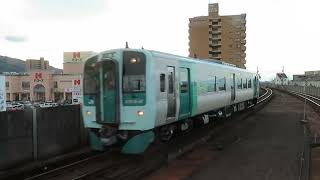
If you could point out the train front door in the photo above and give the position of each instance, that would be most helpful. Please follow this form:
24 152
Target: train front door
108 91
233 87
171 111
184 111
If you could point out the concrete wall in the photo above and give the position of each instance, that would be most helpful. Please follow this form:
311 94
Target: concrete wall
53 132
15 138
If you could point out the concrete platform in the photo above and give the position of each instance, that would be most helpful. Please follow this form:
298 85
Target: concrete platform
271 150
267 145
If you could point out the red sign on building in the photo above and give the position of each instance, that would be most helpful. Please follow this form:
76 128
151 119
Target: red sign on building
38 77
76 54
76 82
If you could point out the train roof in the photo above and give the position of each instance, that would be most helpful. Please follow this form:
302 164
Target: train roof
189 59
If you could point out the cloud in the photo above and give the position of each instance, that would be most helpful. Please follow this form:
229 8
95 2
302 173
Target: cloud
15 38
61 9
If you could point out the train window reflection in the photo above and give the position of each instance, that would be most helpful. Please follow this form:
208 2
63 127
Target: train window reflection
221 84
162 82
134 70
91 76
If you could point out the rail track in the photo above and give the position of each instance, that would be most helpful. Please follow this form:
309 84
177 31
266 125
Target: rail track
113 165
305 157
312 99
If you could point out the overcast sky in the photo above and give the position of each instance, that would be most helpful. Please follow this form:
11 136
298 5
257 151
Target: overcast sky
279 32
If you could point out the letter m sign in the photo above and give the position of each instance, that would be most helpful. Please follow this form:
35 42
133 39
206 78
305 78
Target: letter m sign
76 54
38 76
76 82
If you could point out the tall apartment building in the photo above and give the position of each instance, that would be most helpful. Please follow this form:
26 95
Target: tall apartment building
218 37
35 64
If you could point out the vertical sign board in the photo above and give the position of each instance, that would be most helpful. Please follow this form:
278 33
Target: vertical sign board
76 91
2 93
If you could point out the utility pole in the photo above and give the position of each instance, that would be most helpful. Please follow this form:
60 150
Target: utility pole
304 120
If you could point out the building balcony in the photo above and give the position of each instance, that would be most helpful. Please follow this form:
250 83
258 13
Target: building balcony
243 48
243 28
243 41
215 25
215 51
215 20
214 38
215 32
215 57
215 54
214 45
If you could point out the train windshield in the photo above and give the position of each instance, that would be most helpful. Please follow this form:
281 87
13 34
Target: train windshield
91 76
134 70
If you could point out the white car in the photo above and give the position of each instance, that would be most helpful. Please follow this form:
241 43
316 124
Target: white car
48 104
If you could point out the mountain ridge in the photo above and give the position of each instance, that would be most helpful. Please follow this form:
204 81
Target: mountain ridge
9 64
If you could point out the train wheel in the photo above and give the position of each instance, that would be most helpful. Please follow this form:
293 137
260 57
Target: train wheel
166 132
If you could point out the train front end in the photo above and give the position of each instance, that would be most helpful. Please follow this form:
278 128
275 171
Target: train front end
114 101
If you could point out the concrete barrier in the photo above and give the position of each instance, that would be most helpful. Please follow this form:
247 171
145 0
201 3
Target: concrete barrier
58 130
39 134
15 138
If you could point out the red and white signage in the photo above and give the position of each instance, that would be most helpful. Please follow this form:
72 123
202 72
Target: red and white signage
38 77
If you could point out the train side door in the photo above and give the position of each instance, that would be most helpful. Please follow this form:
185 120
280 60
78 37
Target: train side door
184 111
171 111
233 89
255 89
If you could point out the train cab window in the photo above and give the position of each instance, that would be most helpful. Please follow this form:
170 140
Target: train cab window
134 72
91 76
162 82
245 84
249 83
239 83
221 84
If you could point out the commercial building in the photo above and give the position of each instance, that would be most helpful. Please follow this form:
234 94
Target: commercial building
309 78
40 83
218 37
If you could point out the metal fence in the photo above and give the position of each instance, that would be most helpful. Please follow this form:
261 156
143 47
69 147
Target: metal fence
311 90
39 134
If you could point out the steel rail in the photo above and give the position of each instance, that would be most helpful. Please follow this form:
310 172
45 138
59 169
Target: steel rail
302 95
265 94
65 166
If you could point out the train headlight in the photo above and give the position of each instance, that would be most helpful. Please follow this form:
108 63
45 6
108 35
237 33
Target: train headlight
88 113
140 113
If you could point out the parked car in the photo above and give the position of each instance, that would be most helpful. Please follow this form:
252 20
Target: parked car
10 107
18 106
48 104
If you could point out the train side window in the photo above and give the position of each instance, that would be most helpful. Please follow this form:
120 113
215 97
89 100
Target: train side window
222 84
162 82
212 84
249 83
215 83
239 83
245 84
170 78
184 84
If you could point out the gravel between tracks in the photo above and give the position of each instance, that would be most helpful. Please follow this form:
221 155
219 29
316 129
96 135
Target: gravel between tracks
267 145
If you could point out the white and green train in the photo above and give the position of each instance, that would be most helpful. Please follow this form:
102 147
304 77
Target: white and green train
132 96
